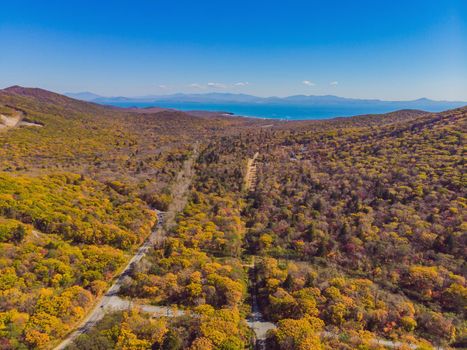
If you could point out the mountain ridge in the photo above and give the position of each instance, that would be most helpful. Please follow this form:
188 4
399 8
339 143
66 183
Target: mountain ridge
240 97
49 96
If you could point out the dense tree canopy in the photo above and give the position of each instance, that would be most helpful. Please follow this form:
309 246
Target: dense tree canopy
353 231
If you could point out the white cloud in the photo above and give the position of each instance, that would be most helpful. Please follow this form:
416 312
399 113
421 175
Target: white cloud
308 83
242 83
217 85
334 83
163 86
197 86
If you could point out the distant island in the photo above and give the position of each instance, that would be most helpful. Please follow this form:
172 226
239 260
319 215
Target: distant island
296 107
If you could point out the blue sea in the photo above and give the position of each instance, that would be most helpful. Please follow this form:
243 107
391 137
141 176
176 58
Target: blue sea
275 111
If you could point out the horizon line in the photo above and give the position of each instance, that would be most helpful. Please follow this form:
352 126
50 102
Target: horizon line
66 93
257 96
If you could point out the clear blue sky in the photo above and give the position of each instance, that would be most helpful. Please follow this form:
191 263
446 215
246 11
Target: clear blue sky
389 49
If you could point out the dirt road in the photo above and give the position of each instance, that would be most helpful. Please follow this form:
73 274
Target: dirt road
107 300
165 219
12 121
119 304
256 320
250 176
180 189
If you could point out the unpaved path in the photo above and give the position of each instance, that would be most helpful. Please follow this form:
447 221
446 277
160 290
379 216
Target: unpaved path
98 312
165 219
250 176
119 304
256 320
180 189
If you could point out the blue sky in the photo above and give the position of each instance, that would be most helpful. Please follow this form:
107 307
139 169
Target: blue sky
389 49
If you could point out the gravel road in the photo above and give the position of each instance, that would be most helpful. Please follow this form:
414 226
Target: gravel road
165 219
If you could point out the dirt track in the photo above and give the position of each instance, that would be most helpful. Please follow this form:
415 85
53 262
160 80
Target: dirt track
250 176
165 220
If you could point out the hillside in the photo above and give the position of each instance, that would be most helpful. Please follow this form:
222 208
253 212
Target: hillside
362 213
75 197
353 233
353 237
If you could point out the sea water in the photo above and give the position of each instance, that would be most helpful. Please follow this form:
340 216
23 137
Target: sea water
270 111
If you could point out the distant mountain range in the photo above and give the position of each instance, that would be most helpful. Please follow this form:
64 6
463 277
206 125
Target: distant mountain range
243 99
83 96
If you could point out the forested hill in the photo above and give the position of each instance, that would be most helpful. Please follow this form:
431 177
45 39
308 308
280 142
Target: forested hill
89 138
357 225
77 181
375 212
353 233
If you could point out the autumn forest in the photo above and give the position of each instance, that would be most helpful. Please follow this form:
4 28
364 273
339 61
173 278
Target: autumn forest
126 228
